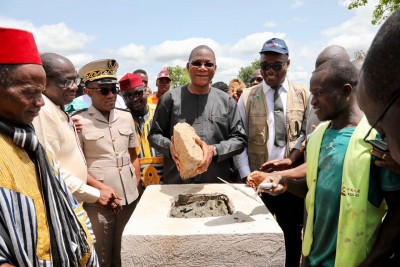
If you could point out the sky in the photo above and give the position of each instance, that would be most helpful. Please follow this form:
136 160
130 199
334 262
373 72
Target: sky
152 34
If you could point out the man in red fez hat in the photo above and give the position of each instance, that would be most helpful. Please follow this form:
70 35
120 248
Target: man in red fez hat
163 84
38 221
134 94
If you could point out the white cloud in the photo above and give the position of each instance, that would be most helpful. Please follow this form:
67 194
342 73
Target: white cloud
133 52
251 44
169 51
297 3
80 59
56 38
354 34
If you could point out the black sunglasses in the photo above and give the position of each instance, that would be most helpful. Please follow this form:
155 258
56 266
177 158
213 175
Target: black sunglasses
199 64
274 66
105 90
381 144
258 79
132 96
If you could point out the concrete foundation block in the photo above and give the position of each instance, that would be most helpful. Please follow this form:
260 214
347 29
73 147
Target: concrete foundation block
248 237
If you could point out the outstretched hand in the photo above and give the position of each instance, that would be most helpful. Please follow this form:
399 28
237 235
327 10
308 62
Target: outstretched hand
276 165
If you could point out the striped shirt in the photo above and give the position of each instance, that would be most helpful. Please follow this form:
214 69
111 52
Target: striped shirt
24 233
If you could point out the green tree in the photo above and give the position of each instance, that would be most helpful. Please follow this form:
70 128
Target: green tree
359 54
179 76
382 10
245 72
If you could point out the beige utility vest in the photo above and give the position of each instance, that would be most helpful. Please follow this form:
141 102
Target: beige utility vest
257 120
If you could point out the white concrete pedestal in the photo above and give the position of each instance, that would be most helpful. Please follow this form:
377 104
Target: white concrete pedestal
248 237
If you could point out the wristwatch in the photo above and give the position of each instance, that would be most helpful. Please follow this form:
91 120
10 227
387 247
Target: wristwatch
215 151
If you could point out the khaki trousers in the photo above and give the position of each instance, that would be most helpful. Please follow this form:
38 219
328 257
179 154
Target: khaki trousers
108 227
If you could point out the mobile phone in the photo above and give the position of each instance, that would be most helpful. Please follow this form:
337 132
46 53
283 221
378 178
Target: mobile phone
379 145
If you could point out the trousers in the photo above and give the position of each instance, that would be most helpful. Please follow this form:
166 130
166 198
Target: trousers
108 227
288 211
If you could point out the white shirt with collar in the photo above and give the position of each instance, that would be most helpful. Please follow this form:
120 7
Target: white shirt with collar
274 152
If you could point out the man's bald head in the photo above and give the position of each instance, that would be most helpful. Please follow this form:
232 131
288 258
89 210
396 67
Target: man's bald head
51 62
199 48
332 52
59 70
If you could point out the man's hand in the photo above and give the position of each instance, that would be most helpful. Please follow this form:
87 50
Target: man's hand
385 160
109 199
255 178
276 165
6 265
174 154
278 184
208 153
78 123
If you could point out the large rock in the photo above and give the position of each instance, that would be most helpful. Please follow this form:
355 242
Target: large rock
189 152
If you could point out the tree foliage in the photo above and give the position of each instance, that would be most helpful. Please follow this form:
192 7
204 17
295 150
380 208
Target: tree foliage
382 10
179 76
245 72
359 54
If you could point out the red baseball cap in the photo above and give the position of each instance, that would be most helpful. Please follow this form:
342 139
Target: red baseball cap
18 47
130 80
163 74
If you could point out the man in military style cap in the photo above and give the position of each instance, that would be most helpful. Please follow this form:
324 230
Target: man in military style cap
109 144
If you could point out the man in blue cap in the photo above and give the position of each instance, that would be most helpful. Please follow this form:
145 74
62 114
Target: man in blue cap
272 113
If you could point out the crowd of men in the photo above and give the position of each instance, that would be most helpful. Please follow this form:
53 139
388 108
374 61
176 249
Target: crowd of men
80 147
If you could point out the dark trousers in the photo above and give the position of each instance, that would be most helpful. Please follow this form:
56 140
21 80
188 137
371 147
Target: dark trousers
288 210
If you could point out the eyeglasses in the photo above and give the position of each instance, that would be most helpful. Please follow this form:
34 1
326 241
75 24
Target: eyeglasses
132 96
381 144
106 90
258 79
199 64
274 66
67 83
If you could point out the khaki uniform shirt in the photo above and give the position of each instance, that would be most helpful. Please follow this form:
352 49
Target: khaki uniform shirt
105 145
56 133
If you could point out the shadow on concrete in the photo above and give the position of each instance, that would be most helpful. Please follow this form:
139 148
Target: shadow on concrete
237 217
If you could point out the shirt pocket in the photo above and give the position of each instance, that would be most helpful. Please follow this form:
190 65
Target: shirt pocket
123 140
257 130
93 136
125 131
294 120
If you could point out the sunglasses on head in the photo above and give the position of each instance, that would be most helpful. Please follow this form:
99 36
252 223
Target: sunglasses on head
106 90
258 79
274 66
199 64
132 96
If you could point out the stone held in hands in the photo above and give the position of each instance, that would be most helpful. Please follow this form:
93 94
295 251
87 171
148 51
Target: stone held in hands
189 152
